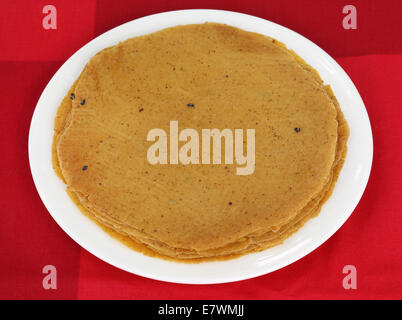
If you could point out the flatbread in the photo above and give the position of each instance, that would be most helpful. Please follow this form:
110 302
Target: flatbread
232 79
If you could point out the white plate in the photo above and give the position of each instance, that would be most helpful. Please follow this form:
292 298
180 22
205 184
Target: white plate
348 190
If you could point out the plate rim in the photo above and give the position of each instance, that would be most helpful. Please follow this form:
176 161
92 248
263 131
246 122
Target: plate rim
205 12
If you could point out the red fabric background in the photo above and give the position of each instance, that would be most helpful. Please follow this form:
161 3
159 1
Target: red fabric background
370 239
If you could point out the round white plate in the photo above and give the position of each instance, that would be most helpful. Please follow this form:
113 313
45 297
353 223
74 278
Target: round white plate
348 190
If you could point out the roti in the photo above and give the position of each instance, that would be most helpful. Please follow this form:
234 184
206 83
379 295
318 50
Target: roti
202 76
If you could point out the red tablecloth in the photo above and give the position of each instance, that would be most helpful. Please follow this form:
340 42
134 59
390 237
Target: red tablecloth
369 240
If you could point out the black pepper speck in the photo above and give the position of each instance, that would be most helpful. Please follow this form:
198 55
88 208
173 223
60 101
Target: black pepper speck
297 129
82 102
84 168
72 96
191 105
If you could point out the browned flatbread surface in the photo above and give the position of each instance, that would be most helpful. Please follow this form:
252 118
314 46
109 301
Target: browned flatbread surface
234 79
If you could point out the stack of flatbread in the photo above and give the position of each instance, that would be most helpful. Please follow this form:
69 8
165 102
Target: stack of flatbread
203 76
